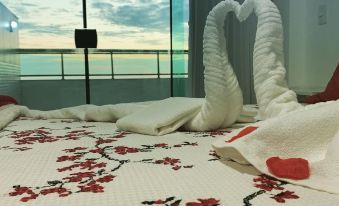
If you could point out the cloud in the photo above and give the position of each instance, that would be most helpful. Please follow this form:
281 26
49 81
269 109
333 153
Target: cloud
29 5
43 29
147 16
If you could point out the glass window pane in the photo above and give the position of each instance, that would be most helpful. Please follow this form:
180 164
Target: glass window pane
100 64
40 64
136 24
165 65
74 64
135 64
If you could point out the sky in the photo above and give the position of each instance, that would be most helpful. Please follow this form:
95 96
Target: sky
121 24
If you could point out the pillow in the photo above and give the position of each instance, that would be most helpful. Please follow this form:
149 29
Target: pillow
4 100
331 92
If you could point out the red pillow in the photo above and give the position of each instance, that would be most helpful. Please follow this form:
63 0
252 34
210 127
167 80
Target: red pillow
4 100
331 92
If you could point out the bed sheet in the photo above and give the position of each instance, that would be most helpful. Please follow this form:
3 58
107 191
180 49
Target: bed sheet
69 162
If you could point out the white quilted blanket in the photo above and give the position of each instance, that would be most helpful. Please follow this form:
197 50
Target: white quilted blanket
70 162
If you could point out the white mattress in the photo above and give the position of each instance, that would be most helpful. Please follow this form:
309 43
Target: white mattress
110 167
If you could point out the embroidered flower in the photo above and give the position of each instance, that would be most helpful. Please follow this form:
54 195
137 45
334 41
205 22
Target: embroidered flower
204 202
24 190
263 182
63 192
168 160
91 187
97 150
122 150
68 158
75 149
107 178
284 195
102 141
78 177
162 145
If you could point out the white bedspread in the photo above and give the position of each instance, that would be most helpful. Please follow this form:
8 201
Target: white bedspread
69 162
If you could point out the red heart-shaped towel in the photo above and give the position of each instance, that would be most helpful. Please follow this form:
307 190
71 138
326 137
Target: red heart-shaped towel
292 168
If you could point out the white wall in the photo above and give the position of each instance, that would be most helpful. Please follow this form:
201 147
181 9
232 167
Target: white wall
9 63
313 49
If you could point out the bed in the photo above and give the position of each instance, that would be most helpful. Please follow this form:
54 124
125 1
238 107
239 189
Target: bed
71 162
58 161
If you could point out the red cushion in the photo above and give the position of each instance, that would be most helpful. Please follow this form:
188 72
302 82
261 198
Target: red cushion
4 100
292 168
331 92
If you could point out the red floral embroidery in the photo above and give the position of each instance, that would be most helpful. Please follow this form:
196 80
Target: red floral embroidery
284 195
269 184
76 134
168 160
75 149
91 187
78 177
33 136
15 149
68 158
104 141
107 178
204 202
89 174
63 192
89 164
162 145
264 183
122 150
218 133
98 150
172 201
24 190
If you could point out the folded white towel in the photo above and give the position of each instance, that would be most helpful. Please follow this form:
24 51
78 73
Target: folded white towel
161 117
309 133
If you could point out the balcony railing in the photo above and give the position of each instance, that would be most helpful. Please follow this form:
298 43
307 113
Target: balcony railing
112 56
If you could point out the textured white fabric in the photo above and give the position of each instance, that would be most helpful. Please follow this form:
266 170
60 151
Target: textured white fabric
223 101
197 173
273 95
161 117
308 133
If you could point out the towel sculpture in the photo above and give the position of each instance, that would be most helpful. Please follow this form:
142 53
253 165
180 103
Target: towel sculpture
303 135
300 147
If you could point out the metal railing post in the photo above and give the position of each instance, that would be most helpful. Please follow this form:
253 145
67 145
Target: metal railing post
112 65
158 65
62 67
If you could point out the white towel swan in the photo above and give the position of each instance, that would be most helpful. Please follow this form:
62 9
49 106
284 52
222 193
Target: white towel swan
273 95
